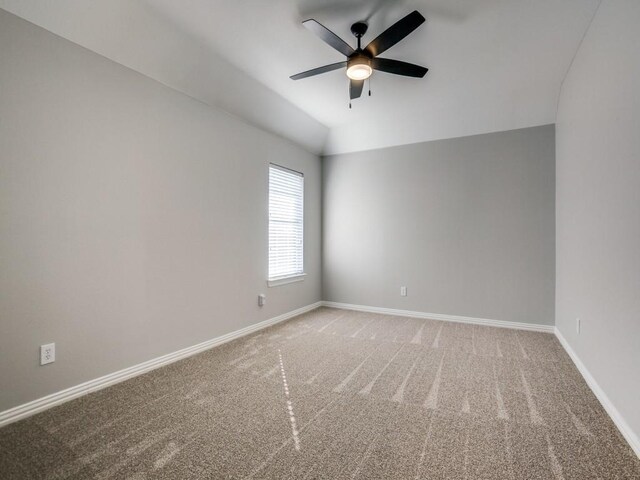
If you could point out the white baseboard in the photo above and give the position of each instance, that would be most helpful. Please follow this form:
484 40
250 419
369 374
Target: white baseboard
626 431
22 411
447 318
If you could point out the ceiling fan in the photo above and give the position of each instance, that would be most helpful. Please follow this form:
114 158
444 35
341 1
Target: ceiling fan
361 62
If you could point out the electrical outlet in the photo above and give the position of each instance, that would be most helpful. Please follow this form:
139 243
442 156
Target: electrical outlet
403 291
262 299
47 353
578 325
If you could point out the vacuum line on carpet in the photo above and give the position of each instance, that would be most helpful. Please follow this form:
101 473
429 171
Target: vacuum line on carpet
331 323
502 411
344 383
417 339
355 334
524 352
432 398
399 395
286 442
436 341
536 419
292 417
367 390
556 468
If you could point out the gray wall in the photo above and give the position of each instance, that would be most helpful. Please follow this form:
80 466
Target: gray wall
133 219
466 224
598 201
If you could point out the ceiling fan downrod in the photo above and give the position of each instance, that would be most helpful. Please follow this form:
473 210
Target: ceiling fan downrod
359 29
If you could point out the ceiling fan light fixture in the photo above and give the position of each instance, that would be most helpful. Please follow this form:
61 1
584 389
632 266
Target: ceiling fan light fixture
359 68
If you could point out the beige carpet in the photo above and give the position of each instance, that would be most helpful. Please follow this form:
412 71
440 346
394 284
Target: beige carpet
337 395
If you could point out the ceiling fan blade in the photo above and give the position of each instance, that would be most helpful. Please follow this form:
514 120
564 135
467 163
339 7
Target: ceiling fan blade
362 9
329 37
398 68
395 33
318 71
355 88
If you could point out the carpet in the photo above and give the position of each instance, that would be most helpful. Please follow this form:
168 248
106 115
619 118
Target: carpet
335 394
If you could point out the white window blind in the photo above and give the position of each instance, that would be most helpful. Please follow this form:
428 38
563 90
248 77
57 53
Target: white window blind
286 222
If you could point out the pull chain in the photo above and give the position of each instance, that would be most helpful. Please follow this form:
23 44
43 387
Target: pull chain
369 83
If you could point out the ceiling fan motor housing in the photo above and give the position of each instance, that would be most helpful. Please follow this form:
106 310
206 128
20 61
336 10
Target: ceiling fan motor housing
358 58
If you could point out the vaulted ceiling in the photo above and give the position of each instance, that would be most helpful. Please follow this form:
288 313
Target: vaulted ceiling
493 64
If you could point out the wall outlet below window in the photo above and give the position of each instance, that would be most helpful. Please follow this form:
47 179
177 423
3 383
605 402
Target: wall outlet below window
47 353
262 299
403 291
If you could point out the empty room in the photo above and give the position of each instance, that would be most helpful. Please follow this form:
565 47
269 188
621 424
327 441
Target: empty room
320 239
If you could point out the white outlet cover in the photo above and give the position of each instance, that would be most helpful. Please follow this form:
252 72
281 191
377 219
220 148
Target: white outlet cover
47 353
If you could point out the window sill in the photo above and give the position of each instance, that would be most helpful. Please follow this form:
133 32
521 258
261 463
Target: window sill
284 280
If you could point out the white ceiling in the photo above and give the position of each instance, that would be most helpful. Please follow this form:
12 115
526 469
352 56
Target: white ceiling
494 64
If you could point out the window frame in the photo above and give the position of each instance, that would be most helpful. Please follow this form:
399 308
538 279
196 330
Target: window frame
289 277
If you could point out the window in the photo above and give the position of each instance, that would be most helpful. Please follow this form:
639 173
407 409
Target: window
286 206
